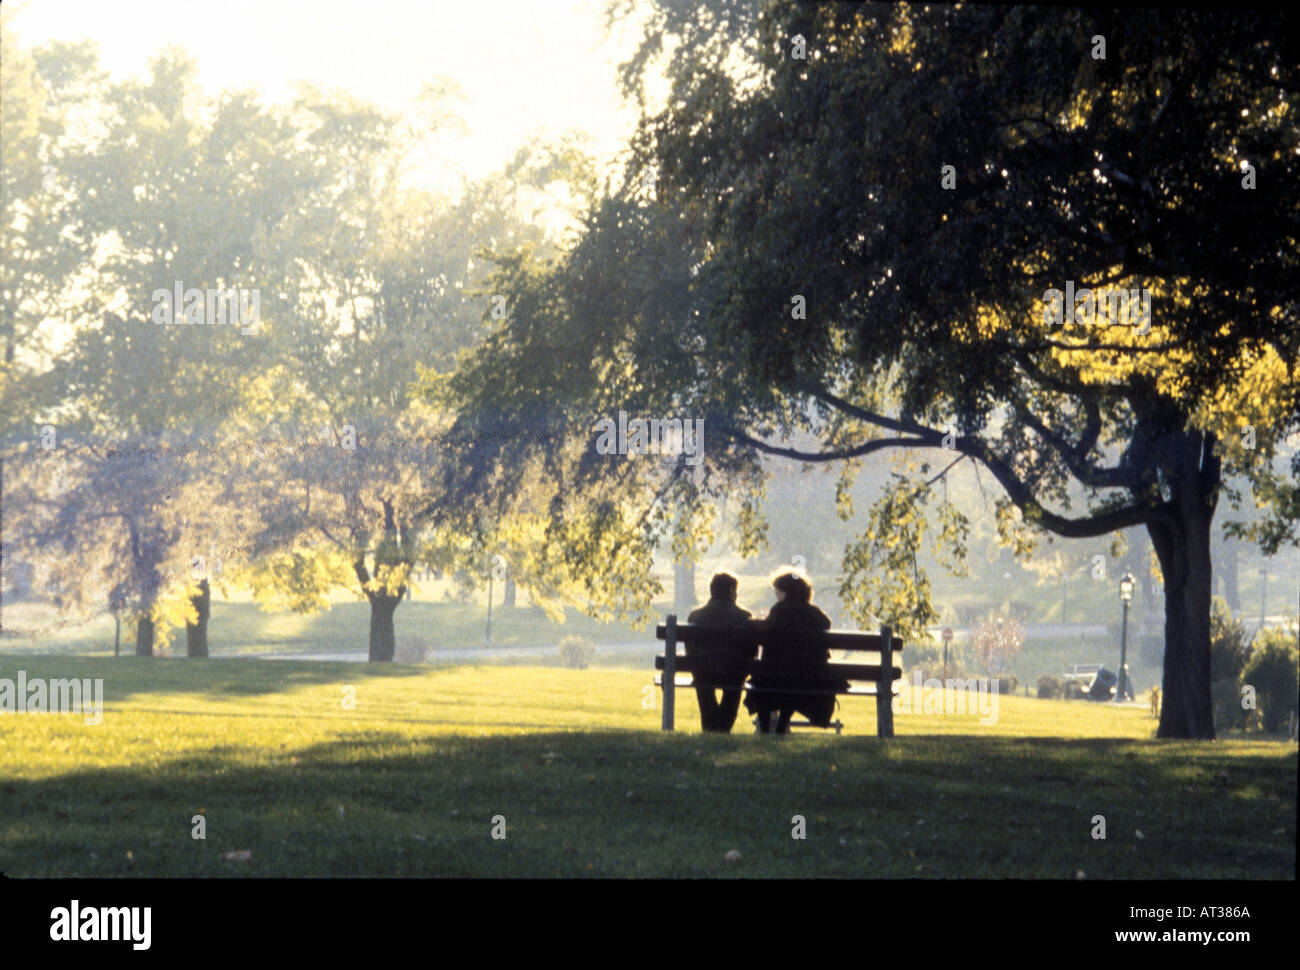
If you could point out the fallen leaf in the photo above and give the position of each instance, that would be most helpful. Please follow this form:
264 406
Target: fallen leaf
239 855
733 856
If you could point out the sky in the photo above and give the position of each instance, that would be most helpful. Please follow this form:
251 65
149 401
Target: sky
524 65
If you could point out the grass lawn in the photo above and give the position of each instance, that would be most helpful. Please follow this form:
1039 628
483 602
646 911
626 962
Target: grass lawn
408 782
239 626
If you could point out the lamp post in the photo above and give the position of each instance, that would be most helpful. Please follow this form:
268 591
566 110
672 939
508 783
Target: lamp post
1125 595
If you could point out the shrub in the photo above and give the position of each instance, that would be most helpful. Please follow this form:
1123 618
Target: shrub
1049 686
920 655
577 652
1229 648
955 671
411 650
1229 653
1225 696
1072 690
1273 671
1007 683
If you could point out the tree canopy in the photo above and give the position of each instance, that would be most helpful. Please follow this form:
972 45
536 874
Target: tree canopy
830 255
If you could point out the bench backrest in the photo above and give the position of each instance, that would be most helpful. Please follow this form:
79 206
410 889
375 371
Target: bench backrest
753 633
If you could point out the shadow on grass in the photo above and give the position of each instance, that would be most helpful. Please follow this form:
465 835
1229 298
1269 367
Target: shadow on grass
126 678
642 804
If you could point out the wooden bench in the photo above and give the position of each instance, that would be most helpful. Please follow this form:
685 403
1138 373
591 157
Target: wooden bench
873 680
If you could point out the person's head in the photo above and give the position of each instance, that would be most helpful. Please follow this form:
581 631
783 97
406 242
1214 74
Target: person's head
723 587
793 587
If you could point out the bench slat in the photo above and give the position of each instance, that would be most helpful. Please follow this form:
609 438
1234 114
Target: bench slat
855 690
834 639
850 671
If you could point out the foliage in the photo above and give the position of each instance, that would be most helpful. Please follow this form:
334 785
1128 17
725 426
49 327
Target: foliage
915 655
1049 686
577 652
762 182
996 641
1230 648
1273 671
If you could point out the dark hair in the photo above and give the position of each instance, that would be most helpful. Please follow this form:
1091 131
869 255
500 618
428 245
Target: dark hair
723 586
798 589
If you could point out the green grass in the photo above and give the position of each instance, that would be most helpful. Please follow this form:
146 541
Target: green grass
408 783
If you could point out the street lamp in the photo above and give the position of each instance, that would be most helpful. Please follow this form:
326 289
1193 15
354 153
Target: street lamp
1125 594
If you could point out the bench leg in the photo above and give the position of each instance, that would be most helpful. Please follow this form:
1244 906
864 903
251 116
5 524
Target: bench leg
670 671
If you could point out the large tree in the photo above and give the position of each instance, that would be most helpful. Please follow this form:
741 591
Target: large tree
378 278
792 260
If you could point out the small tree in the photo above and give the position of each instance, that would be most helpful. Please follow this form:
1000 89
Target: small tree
996 642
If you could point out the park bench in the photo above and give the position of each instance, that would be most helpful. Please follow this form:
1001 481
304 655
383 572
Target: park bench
869 680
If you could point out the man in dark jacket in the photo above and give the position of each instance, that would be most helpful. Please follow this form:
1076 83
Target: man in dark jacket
718 663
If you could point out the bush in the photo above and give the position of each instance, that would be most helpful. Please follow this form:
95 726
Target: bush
1007 683
1072 690
955 671
1049 686
1229 653
1225 697
920 655
1274 671
411 650
1229 648
577 652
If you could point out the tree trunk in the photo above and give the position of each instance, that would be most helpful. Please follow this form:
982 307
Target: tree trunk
196 634
1183 548
144 636
510 592
383 639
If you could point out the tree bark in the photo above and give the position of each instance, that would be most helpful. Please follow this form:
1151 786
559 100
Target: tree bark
196 634
383 639
1182 544
144 636
510 592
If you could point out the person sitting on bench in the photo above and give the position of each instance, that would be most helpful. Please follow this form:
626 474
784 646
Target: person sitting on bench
795 658
715 662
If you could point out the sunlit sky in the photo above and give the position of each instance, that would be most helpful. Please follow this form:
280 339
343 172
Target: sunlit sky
524 65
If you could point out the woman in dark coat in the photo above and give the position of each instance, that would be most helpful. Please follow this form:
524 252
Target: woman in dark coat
796 659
